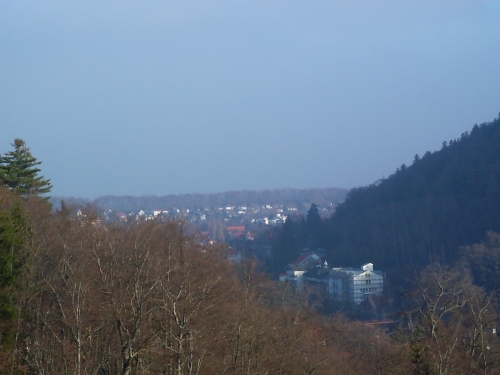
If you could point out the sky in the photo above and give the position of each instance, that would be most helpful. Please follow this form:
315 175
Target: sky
167 97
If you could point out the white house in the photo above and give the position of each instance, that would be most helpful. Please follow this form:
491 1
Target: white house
295 272
305 268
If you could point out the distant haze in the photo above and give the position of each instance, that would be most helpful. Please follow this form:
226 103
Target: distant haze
167 97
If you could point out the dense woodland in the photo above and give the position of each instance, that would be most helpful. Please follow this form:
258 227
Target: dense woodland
432 211
78 296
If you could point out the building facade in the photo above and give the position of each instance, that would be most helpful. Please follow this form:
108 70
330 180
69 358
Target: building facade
354 285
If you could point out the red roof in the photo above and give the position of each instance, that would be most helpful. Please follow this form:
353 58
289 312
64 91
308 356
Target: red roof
301 258
237 228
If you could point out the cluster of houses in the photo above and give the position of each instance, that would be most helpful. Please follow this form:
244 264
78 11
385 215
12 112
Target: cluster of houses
223 223
253 214
356 285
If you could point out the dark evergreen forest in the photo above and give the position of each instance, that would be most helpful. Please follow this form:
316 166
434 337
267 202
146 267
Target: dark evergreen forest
421 214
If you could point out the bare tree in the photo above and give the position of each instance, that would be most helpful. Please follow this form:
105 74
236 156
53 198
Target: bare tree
61 316
193 291
451 324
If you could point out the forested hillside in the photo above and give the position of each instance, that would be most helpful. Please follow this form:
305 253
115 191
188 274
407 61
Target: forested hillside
431 211
422 213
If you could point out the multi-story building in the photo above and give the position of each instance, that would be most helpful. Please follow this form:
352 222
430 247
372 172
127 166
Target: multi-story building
342 284
355 284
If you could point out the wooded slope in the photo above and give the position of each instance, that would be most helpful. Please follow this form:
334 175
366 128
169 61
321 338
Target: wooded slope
424 212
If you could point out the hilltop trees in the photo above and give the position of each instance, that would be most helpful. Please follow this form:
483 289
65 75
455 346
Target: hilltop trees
122 299
19 171
147 298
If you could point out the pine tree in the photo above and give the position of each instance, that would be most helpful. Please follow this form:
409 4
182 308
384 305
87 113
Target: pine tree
19 171
313 228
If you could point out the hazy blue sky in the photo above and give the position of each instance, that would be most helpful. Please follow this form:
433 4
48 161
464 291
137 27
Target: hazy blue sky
158 97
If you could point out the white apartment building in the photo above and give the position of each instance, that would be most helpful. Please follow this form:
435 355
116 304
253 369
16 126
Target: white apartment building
342 284
355 284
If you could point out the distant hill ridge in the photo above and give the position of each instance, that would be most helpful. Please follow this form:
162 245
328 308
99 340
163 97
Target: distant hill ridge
285 196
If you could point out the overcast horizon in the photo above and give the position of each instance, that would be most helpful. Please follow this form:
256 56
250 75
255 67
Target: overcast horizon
164 97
